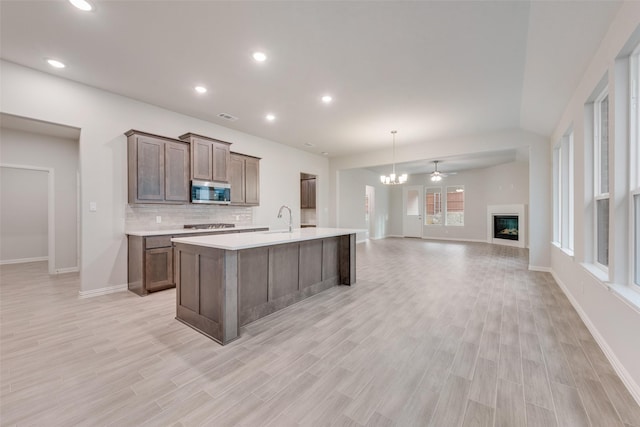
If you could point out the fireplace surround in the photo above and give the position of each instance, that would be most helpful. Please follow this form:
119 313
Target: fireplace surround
506 225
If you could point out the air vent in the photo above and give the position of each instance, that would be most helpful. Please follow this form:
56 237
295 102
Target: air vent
227 117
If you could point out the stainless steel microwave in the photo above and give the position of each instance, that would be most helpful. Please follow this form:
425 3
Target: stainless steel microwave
210 192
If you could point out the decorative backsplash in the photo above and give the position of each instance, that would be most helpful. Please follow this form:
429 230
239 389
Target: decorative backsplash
142 217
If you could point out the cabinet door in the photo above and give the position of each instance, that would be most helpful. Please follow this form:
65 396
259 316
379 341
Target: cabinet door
311 194
158 265
202 159
149 169
252 181
176 172
236 178
221 154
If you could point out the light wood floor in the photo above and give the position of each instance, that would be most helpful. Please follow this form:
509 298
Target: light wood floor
433 333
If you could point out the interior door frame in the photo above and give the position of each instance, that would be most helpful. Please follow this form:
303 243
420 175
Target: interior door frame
420 189
51 219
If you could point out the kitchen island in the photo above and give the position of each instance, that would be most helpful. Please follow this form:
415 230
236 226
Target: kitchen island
226 281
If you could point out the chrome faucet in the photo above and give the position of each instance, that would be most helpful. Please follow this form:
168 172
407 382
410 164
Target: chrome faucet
290 219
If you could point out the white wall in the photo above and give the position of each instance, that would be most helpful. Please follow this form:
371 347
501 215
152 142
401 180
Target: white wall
61 155
498 185
351 202
23 215
103 118
539 177
613 321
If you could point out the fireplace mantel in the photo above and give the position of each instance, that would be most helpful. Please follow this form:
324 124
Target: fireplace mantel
515 210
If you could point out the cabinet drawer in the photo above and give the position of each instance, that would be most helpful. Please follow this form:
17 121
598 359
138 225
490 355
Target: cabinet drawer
157 242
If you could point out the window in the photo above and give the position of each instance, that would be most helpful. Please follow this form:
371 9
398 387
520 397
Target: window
563 192
433 206
634 166
455 205
557 196
601 169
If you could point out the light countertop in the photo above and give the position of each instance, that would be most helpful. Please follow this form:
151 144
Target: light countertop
191 231
236 241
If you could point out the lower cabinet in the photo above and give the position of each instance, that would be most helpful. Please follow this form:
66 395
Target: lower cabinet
150 264
151 261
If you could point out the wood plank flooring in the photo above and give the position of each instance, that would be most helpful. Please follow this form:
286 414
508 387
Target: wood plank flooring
432 334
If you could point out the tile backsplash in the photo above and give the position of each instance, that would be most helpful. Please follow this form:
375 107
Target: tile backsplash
143 217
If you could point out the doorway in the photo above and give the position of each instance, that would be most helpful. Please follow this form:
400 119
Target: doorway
412 201
28 216
308 196
370 209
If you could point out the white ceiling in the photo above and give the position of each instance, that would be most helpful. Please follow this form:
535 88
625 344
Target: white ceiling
430 69
455 163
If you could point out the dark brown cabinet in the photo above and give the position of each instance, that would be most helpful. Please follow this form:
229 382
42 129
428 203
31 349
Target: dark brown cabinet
308 193
158 169
151 263
209 158
244 177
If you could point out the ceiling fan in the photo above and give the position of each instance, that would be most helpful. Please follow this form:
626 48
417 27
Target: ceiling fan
436 175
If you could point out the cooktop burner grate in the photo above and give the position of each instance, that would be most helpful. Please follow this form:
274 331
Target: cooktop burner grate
208 226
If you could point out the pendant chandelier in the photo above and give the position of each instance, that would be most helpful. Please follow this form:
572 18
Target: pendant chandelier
394 179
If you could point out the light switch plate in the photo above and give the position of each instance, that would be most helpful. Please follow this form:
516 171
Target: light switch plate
93 206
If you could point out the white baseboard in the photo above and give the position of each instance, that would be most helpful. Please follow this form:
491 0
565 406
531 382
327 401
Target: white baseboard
622 372
539 268
67 270
102 291
453 239
23 260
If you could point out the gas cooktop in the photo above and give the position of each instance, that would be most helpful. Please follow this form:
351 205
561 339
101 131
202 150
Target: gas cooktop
208 226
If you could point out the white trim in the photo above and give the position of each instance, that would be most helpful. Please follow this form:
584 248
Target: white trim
67 270
627 380
539 268
51 218
453 239
23 260
102 291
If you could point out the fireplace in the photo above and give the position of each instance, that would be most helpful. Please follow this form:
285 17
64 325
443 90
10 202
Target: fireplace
505 227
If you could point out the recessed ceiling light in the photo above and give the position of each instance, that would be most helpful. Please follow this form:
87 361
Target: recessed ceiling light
201 89
327 99
83 5
324 153
259 56
55 63
270 117
308 144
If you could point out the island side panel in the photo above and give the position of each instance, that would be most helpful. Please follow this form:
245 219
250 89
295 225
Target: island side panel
199 275
310 263
229 294
253 283
347 259
330 266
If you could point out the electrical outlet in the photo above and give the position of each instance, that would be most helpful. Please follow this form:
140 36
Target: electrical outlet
158 219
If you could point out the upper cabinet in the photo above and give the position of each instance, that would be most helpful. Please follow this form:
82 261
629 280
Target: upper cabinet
308 193
158 168
209 158
244 177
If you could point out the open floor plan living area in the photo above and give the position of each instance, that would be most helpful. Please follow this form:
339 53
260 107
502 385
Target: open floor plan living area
320 213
